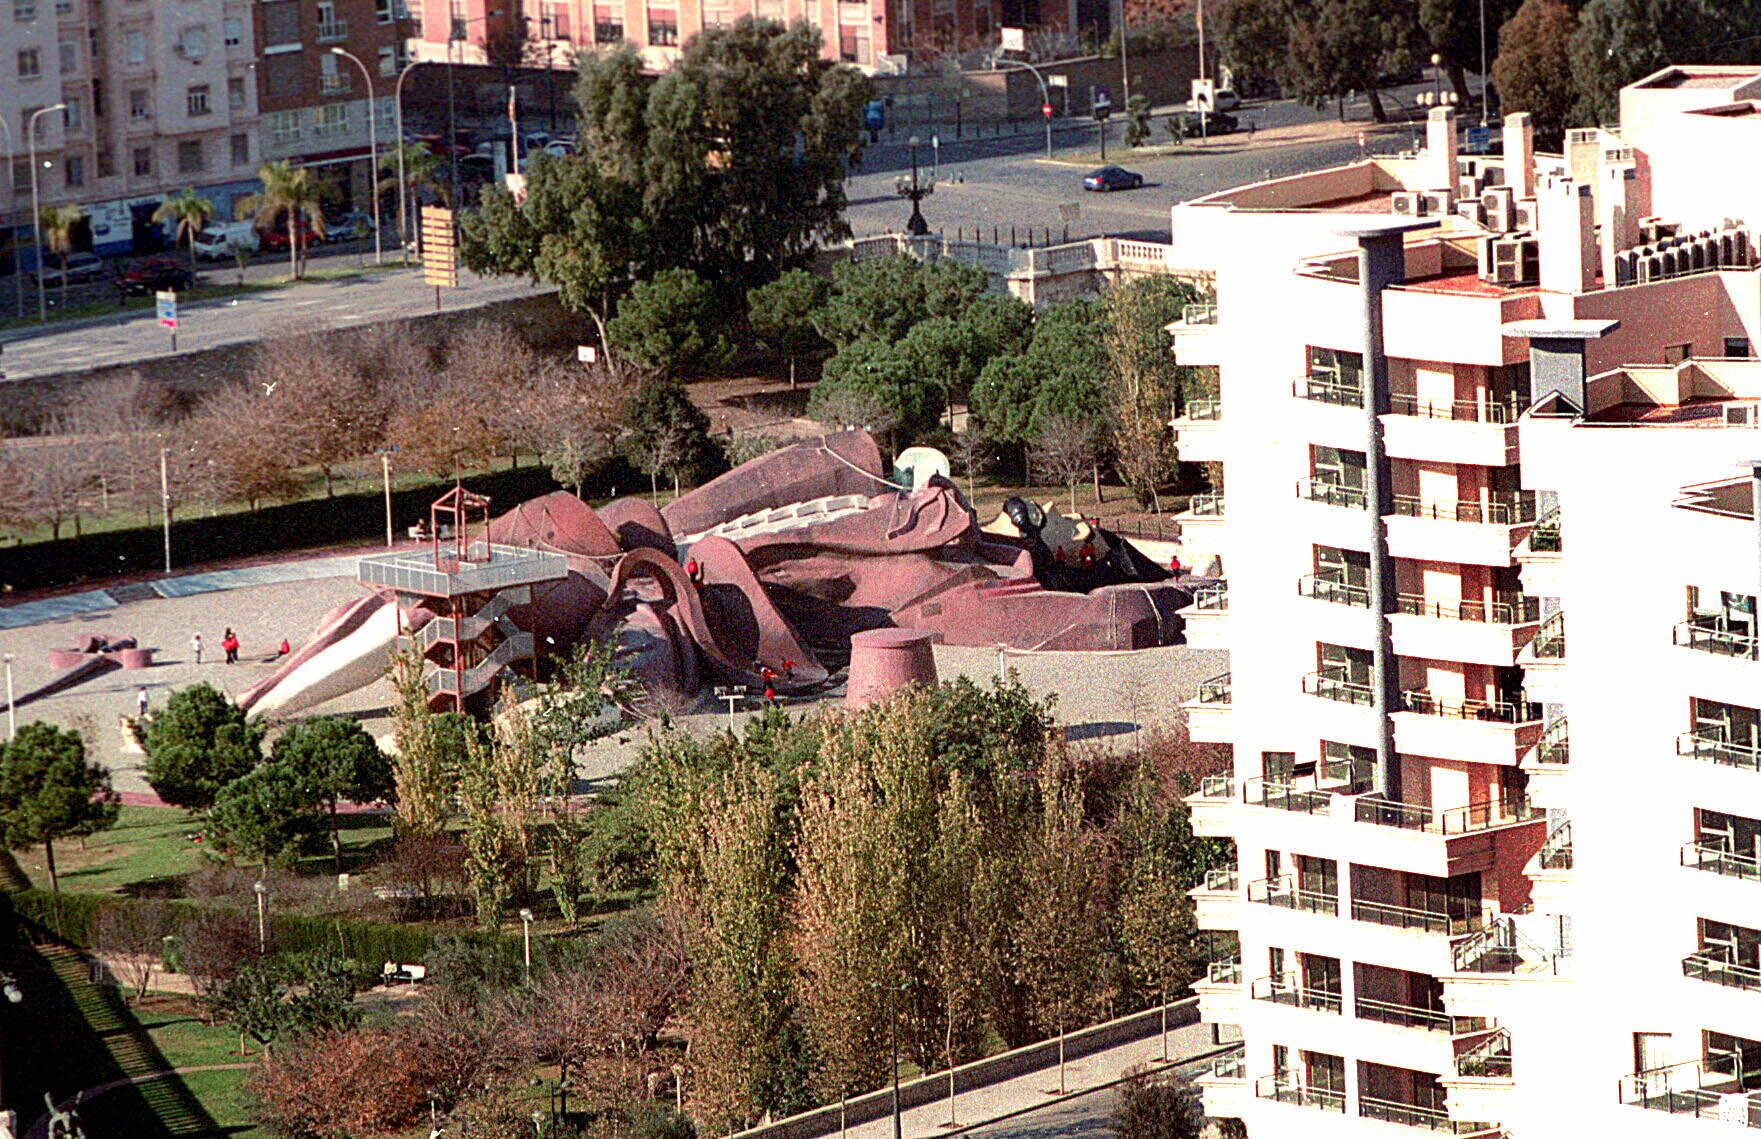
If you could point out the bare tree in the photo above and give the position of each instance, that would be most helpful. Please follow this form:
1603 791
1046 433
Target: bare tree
1065 448
211 948
322 409
848 407
238 451
131 938
971 453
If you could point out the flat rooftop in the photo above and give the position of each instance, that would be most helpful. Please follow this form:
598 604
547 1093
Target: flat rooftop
1691 77
1692 393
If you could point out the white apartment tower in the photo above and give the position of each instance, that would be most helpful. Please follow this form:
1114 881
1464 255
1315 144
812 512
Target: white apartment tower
1468 406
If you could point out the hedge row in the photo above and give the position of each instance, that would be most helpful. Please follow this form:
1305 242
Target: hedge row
71 918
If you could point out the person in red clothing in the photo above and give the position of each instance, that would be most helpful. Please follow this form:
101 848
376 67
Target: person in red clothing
229 643
1174 565
284 649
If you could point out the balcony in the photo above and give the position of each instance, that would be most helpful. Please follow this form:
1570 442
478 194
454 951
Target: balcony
1207 624
1417 1115
1705 1089
1538 553
1725 753
1331 685
1713 635
1328 389
1208 714
1469 731
1487 1060
1473 632
1403 1015
333 31
1415 920
1555 853
1553 749
1281 991
1499 947
1333 591
1451 431
1198 430
1715 859
1284 893
1190 333
1212 901
1329 493
337 84
1712 967
1284 1089
1196 314
1482 532
1212 805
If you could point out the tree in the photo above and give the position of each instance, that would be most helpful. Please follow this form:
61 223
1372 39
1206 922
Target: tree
886 378
49 791
1341 46
1254 37
1142 379
239 452
670 323
340 1084
1152 1105
191 212
1619 41
664 431
1453 29
883 298
782 313
421 170
291 194
1154 915
197 744
429 752
279 998
1066 446
262 815
1137 121
212 946
1062 930
333 758
132 937
318 406
1533 68
58 224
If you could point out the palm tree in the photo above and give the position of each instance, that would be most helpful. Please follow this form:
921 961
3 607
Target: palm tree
58 224
191 212
296 192
421 175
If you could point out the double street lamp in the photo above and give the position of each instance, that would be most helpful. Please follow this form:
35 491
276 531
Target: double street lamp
372 151
914 191
36 213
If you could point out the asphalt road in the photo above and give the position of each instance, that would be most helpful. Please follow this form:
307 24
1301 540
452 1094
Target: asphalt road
1085 1117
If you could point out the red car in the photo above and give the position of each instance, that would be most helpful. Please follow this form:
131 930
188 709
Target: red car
274 238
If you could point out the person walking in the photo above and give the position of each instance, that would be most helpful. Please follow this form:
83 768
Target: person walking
196 647
141 702
229 642
284 649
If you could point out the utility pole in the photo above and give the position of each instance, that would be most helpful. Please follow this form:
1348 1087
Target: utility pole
17 261
372 152
1124 58
36 211
1485 80
165 500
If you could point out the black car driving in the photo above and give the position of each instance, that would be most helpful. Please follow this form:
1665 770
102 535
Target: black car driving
1112 178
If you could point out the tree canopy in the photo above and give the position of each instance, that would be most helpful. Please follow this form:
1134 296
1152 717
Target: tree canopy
671 323
332 758
1533 68
197 744
48 791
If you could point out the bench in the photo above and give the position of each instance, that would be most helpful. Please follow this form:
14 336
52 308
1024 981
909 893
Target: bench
393 973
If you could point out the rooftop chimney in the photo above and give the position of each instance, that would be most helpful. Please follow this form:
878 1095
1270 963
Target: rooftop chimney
1568 236
1616 214
1519 154
1440 150
1556 360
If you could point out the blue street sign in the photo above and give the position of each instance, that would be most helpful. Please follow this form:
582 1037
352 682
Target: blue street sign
167 309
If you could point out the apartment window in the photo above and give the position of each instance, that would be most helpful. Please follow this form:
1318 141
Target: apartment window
1722 723
1335 377
233 30
1719 611
330 27
235 93
559 24
21 175
1735 835
106 164
1317 875
24 9
384 11
1651 1051
1736 1058
388 61
284 126
1350 568
1737 347
195 100
98 98
140 105
1279 766
190 157
1338 467
607 28
143 160
1347 766
193 42
69 51
281 24
30 63
1341 662
241 150
134 45
332 120
75 114
331 79
385 112
1730 944
663 27
75 168
1676 353
853 45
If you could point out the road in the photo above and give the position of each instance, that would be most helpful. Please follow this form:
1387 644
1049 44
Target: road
1085 1117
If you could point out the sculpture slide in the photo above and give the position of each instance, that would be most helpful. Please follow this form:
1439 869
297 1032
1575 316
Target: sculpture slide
350 650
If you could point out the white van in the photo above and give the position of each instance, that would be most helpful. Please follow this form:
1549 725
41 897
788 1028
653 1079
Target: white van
220 241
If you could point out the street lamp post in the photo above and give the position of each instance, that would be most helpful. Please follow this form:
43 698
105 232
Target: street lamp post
1484 85
17 261
262 916
914 191
403 210
526 930
385 454
372 151
1045 94
11 708
36 215
1437 79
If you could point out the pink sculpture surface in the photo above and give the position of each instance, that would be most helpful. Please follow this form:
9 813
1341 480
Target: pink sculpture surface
764 576
882 661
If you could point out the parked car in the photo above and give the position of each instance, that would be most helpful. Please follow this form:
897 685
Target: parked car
78 267
1215 123
1227 100
1112 178
273 238
217 242
150 274
349 227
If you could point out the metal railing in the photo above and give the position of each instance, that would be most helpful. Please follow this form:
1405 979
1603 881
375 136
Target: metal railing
1554 746
1497 947
1556 851
1701 1088
1223 973
1411 918
1487 1060
1417 1115
1715 859
1727 753
1222 879
1545 538
1333 493
1492 410
1503 609
1286 1090
1220 787
1202 411
1282 991
1329 685
1213 598
1325 388
1199 313
1205 505
1332 589
1230 1067
1713 635
1550 638
1216 690
1382 812
1508 511
1473 817
334 85
1714 968
1487 711
1279 796
1284 893
1402 1015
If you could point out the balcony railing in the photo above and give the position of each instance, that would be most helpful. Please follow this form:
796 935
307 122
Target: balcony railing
1715 859
1711 966
1323 588
1198 313
1282 991
1488 711
1469 818
1202 411
1283 797
1230 1067
1507 511
1550 638
1325 388
1285 894
1487 1060
1701 1088
1503 609
1218 787
332 31
1216 690
1417 1115
1213 598
1712 635
1497 947
1223 973
1556 851
1410 918
1329 685
333 84
1727 753
1554 747
1222 879
1286 1090
1498 410
1403 1015
1205 506
1333 493
1545 537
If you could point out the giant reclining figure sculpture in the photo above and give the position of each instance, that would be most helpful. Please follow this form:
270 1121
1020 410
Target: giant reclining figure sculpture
762 575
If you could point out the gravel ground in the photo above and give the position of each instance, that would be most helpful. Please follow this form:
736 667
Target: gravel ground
1099 695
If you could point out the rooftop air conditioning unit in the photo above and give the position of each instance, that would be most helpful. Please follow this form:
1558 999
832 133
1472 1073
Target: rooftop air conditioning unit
1408 204
1434 202
1741 415
1525 215
1514 260
1500 207
1471 210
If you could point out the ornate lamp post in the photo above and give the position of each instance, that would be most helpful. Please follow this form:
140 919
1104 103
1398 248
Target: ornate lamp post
914 190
